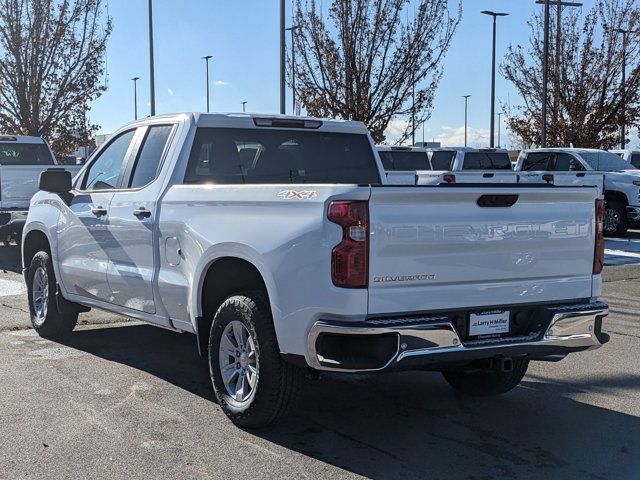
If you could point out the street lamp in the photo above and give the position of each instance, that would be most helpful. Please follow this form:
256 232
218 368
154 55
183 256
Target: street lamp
293 29
206 61
152 86
499 127
135 97
623 86
545 61
244 106
466 102
283 46
495 15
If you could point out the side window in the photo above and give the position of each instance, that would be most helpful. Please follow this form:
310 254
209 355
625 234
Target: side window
567 163
537 162
150 156
635 160
104 172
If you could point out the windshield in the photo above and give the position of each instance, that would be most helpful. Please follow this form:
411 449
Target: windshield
25 154
405 160
606 161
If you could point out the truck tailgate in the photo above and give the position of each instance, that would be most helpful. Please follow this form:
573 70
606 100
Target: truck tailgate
18 183
437 248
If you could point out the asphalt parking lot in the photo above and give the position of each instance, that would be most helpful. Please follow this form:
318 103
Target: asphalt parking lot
120 399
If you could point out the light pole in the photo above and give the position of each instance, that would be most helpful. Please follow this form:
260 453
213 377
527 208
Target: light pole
545 60
466 102
293 29
495 15
499 128
206 59
244 106
152 85
623 85
135 97
283 57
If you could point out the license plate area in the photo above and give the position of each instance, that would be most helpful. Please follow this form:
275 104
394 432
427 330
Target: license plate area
489 323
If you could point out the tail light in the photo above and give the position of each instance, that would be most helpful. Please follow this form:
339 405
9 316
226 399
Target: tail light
350 258
598 258
547 177
449 178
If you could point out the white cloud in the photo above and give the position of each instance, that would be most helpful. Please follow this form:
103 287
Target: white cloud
222 83
454 136
395 129
170 92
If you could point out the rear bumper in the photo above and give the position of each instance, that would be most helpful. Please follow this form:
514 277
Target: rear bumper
428 342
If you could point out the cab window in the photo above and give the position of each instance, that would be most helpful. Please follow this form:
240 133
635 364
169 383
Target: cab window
147 165
567 163
537 161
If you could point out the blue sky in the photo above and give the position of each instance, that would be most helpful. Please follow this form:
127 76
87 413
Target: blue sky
242 36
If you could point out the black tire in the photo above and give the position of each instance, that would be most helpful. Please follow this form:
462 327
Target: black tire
485 382
277 381
616 223
50 322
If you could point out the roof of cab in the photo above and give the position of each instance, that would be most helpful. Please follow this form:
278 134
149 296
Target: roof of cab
247 120
466 149
567 149
399 148
20 139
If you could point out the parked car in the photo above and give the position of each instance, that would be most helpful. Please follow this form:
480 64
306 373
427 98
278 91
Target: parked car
22 158
631 156
621 179
279 244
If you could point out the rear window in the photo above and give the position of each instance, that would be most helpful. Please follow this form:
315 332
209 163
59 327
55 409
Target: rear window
442 160
271 156
399 160
538 162
25 154
487 161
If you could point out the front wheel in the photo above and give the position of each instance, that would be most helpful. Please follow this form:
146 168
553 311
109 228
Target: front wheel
46 319
615 219
486 382
253 384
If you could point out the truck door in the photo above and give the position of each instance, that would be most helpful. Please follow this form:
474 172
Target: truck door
132 223
83 236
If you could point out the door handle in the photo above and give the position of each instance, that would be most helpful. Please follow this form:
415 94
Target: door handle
141 213
99 211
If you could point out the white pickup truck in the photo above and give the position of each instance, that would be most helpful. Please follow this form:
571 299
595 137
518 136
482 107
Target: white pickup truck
433 166
630 156
621 179
277 242
22 158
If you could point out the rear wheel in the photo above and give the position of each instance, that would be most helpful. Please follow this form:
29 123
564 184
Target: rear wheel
46 319
484 382
253 384
615 219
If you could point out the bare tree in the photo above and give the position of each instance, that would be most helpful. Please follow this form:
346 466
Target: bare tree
51 61
585 64
371 60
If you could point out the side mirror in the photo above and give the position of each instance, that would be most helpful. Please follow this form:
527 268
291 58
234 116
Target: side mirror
55 180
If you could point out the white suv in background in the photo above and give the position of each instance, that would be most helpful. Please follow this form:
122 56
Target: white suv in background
631 156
